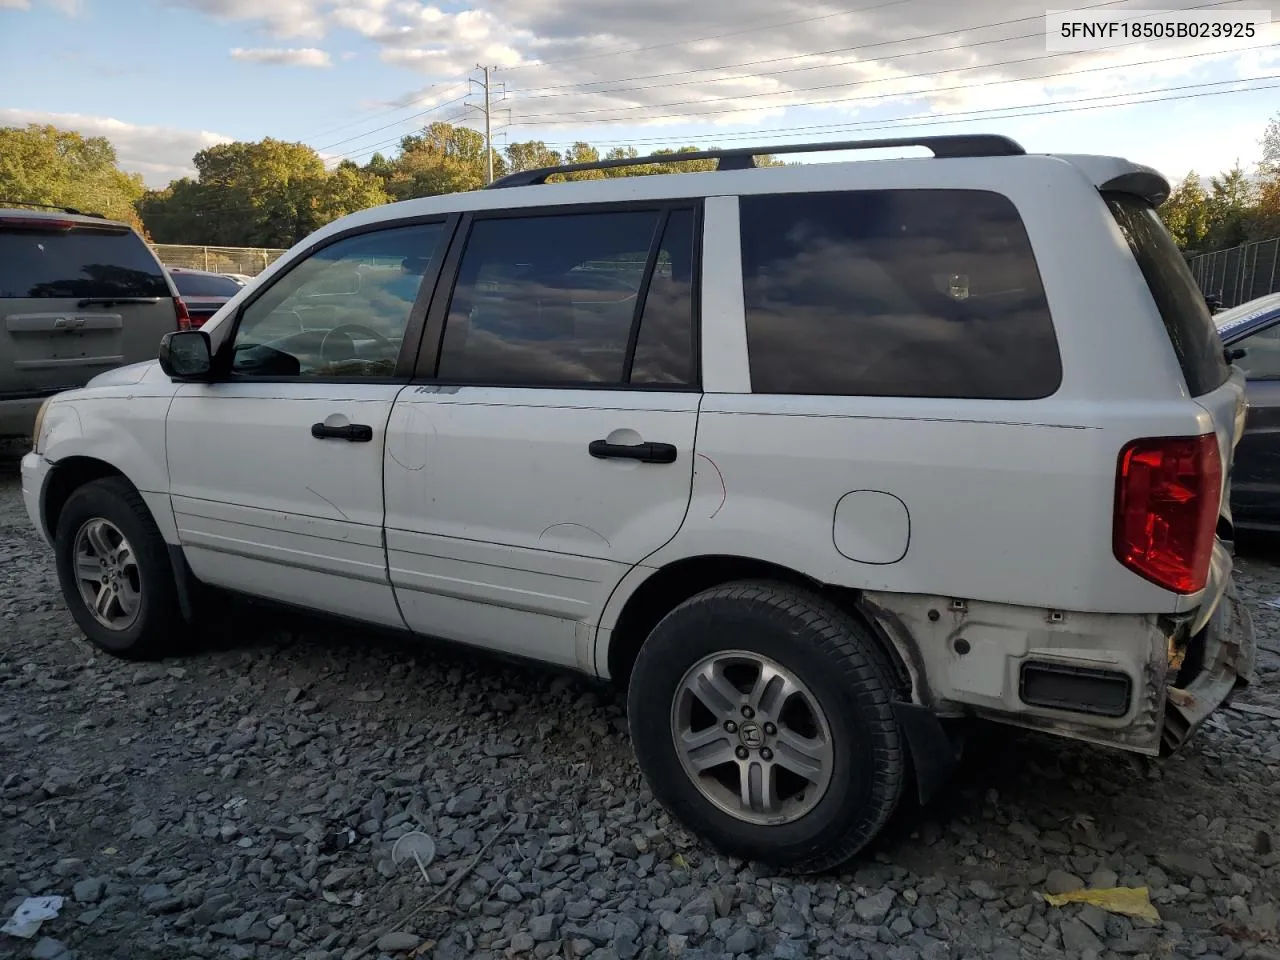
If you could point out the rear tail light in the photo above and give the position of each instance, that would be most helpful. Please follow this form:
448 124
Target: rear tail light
1168 492
184 315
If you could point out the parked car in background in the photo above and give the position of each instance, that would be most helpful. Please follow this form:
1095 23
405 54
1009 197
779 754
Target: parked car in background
203 292
815 461
79 294
1251 334
240 278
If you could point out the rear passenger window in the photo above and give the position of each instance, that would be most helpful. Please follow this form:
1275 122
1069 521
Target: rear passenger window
554 300
906 293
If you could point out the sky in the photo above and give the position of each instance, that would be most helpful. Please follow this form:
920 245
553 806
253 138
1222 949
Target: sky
163 79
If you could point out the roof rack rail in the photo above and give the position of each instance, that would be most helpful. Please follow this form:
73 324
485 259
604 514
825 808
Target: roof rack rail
50 206
743 158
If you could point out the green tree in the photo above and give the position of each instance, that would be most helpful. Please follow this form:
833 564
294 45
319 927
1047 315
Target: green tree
1186 213
531 155
348 189
1231 199
440 159
42 164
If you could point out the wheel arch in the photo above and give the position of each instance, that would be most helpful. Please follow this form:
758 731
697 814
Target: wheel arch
645 601
65 478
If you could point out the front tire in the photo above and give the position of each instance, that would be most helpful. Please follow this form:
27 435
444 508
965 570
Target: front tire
761 715
114 570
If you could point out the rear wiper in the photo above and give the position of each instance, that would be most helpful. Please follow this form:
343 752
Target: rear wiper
110 300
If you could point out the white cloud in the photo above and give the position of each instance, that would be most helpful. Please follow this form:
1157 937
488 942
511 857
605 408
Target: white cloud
15 4
160 154
285 57
282 18
588 66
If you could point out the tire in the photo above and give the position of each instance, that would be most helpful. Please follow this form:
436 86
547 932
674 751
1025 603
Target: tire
109 516
829 661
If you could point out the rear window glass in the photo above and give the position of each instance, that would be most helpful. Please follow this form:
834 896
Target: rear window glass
903 293
79 263
1181 304
204 285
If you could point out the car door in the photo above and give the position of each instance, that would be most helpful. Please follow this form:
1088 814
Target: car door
276 466
548 446
1255 474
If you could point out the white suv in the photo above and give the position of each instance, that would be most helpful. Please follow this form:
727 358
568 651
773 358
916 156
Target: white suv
814 459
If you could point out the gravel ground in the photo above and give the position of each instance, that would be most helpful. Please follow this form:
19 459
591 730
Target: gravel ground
241 802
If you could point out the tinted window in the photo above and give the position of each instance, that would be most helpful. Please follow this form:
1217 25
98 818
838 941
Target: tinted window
78 263
1181 304
665 351
342 311
552 299
910 293
1261 360
204 285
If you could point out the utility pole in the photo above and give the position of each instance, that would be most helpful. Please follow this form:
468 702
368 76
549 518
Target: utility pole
488 123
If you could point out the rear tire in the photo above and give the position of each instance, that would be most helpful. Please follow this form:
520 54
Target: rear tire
762 717
114 570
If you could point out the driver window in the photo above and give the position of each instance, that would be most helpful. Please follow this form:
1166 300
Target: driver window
341 312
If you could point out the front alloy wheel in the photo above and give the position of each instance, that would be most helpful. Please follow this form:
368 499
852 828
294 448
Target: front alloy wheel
107 574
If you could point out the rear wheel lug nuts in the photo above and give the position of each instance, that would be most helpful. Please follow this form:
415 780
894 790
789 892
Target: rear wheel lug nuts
730 726
770 729
748 712
741 753
766 753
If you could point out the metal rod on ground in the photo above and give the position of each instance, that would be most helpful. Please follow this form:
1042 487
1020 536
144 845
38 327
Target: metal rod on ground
457 879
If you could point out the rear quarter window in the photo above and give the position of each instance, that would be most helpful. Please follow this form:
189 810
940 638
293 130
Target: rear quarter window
905 293
1182 306
204 285
41 264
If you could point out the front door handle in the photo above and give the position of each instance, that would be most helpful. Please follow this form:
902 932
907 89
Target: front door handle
353 432
644 452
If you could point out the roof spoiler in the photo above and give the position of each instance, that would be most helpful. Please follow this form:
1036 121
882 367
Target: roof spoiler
1147 184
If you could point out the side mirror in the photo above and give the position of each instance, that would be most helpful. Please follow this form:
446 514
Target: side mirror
186 355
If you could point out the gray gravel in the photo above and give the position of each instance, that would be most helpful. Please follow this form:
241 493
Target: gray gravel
242 802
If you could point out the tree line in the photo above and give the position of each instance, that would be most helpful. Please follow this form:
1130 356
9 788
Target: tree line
272 193
1234 209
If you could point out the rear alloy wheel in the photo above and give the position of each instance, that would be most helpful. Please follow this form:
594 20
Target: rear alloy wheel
752 737
762 717
114 569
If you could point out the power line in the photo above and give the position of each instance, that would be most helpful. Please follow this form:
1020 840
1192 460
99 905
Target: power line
571 89
942 119
396 123
921 91
804 103
392 108
835 50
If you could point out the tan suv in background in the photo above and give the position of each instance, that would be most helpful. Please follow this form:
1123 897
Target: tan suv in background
79 294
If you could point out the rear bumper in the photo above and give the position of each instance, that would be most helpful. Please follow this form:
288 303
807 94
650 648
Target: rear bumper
1142 683
1221 659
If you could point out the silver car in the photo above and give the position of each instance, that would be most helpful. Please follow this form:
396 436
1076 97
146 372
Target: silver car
79 294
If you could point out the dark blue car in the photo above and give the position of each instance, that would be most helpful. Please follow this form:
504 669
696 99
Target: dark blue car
1251 334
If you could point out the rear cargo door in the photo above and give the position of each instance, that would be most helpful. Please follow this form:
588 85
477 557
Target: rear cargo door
76 299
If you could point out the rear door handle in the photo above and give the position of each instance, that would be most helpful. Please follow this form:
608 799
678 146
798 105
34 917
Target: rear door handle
644 452
353 432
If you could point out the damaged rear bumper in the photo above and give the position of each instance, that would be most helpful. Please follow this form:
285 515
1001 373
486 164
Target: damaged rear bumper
1221 659
1144 683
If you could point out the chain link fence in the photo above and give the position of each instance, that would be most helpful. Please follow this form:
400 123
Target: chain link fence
249 261
1241 273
